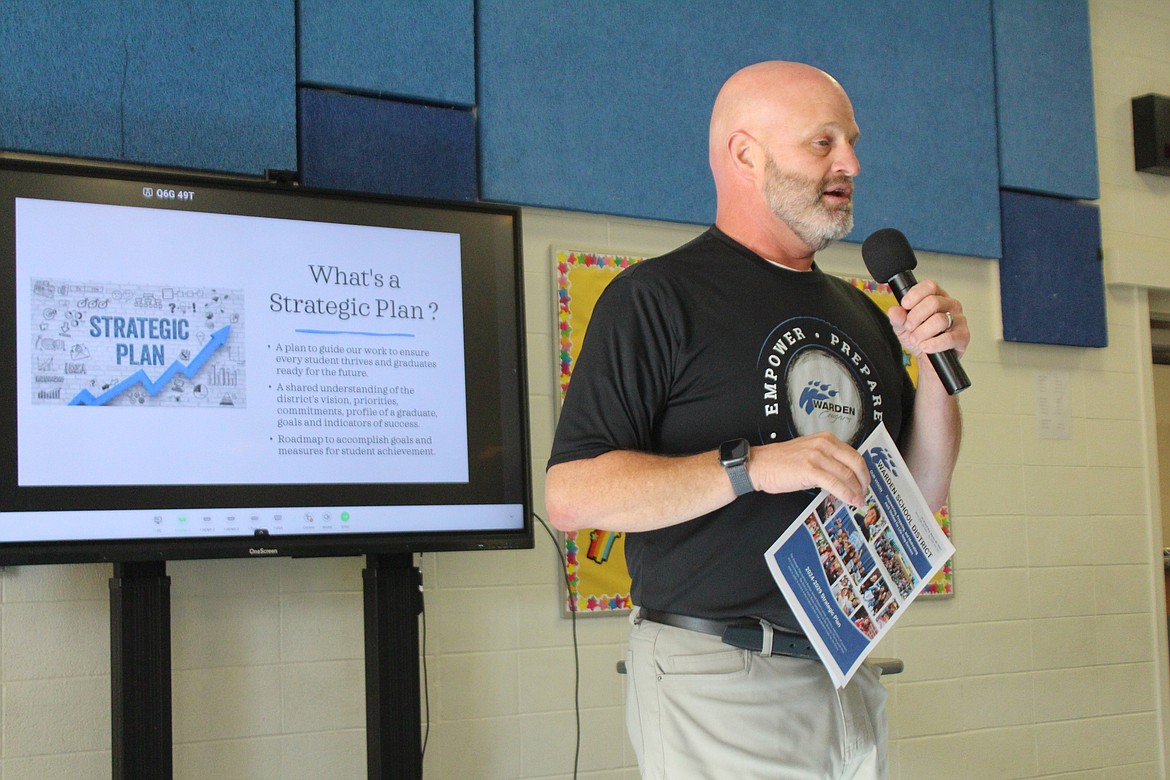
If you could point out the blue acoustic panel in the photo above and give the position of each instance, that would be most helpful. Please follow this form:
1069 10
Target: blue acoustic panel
1044 78
421 49
165 83
366 144
1052 284
601 106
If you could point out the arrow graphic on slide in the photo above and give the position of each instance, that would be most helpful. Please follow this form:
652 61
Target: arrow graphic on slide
154 387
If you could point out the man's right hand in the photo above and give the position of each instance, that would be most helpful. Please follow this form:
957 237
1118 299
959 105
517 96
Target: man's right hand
817 461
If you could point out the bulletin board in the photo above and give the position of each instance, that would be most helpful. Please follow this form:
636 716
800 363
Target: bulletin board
595 565
595 560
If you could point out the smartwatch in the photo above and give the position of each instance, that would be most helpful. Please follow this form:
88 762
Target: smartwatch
733 455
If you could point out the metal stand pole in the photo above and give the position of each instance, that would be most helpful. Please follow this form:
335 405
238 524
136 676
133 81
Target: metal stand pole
393 602
140 671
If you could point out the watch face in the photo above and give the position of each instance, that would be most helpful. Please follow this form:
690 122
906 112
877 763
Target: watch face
731 452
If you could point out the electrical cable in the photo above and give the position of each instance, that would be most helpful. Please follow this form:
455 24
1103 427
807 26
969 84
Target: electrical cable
425 684
576 648
576 655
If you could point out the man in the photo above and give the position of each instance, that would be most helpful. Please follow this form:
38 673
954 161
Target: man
737 346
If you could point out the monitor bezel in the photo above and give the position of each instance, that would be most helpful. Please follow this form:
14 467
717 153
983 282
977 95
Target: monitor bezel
280 190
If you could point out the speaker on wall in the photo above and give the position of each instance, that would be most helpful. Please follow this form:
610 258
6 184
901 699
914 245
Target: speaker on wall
1151 134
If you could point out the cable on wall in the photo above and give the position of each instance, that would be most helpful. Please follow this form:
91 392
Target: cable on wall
576 648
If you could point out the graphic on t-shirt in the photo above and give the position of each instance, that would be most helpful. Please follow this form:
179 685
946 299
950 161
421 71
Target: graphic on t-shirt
828 382
120 344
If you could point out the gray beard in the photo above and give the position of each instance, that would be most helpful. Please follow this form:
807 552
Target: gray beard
795 200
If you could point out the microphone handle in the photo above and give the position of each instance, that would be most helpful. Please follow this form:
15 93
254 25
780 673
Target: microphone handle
946 363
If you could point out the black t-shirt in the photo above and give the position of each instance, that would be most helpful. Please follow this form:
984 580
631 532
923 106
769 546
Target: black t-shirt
709 343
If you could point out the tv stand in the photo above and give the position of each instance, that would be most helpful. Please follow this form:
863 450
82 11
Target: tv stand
140 669
393 602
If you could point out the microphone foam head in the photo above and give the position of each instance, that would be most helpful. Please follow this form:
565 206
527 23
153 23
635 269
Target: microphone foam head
887 253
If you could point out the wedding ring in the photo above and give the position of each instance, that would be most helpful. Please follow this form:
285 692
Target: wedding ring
950 321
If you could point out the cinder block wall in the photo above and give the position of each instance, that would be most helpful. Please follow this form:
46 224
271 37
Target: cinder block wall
1050 661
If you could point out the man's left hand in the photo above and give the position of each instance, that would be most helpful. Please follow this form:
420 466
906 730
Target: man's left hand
929 320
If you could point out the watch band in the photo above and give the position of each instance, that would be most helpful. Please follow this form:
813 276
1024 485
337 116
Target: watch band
741 483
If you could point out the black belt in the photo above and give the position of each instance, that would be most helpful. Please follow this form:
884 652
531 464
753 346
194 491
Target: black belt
754 635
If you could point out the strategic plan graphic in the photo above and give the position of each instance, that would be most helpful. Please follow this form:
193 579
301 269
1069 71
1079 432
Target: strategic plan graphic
121 344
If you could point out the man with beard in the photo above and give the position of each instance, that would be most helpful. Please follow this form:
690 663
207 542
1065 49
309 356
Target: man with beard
719 387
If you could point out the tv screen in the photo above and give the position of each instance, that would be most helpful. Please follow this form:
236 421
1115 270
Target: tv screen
206 366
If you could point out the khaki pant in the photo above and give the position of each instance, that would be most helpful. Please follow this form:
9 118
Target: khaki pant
697 708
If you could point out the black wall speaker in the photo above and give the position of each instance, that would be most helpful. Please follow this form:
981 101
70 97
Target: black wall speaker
1151 134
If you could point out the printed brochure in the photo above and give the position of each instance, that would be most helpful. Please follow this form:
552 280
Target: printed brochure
850 572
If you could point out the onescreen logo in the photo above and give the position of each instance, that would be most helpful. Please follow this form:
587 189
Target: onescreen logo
262 551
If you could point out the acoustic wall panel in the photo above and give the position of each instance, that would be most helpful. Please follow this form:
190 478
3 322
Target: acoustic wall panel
601 106
1052 284
419 49
209 86
1044 84
366 144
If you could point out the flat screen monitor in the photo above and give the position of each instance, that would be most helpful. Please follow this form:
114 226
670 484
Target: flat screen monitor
201 366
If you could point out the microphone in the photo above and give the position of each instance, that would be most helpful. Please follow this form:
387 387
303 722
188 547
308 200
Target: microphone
890 259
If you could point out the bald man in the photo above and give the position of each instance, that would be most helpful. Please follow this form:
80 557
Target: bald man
691 424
